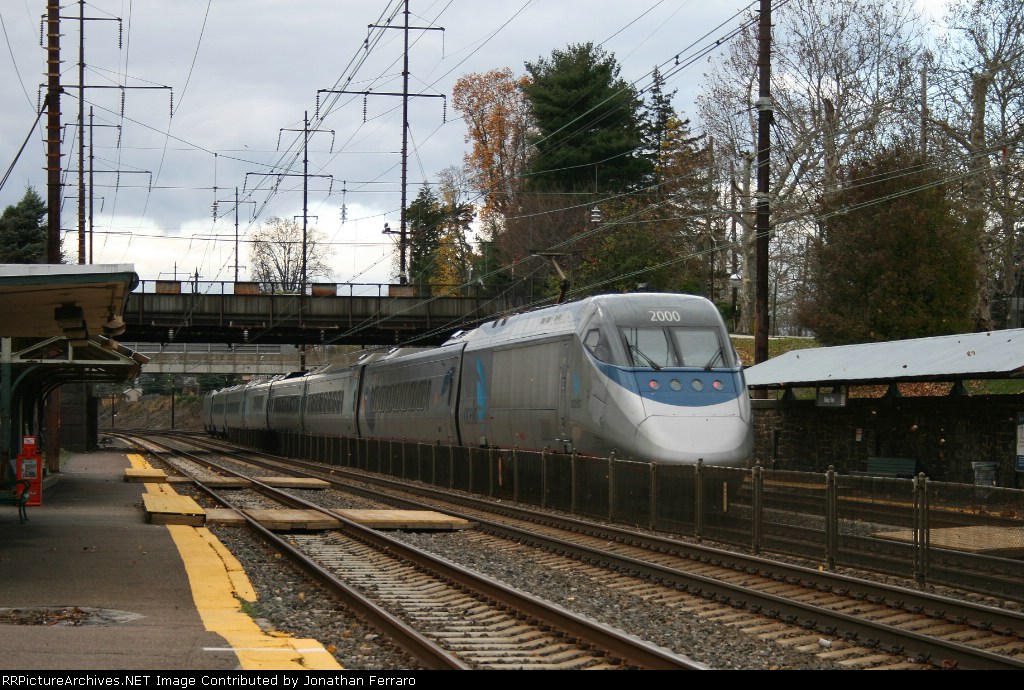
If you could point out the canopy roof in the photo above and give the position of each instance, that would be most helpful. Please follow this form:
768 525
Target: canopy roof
995 354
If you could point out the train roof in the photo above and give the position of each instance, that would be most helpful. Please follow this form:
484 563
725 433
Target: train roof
565 318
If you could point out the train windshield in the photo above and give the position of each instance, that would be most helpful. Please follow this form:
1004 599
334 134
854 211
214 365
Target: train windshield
674 347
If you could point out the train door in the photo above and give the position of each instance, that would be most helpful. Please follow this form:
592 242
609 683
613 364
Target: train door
569 387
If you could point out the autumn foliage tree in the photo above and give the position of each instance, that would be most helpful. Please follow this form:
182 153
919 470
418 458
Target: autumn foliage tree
496 113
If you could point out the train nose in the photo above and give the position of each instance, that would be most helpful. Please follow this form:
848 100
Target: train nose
725 441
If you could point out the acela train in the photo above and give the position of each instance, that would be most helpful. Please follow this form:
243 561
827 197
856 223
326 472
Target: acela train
649 376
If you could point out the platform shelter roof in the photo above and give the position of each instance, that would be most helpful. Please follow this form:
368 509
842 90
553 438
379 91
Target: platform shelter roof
63 320
45 300
989 355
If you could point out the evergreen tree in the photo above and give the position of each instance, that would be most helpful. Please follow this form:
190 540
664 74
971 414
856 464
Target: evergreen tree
425 220
588 123
889 263
23 231
657 237
439 253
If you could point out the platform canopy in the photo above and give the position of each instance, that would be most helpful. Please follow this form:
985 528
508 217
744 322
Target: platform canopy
990 355
63 320
73 301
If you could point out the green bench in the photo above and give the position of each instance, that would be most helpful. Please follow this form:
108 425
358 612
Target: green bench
889 467
15 492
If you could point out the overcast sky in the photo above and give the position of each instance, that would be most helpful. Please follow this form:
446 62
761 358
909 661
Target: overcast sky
240 77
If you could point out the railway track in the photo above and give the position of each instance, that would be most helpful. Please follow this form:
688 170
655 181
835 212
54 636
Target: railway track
444 615
856 622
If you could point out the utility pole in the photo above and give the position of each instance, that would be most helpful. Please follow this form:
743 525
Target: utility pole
92 170
92 189
403 276
81 127
306 131
924 110
53 149
237 203
305 196
81 131
763 219
81 87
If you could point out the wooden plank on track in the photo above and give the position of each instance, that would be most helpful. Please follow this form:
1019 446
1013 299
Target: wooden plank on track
172 509
285 519
224 516
147 475
405 519
294 482
226 482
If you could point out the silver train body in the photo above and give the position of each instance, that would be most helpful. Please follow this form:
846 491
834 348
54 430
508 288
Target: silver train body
652 377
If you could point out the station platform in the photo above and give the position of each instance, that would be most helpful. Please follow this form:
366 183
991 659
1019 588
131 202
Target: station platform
87 583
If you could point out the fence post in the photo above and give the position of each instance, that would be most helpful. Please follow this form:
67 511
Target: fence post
922 535
757 503
698 499
611 489
831 518
491 463
652 473
544 478
572 479
515 474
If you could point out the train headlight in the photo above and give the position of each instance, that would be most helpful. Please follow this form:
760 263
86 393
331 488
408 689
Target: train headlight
676 386
697 384
654 385
717 385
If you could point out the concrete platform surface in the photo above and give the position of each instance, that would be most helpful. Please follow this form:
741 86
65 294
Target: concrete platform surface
87 583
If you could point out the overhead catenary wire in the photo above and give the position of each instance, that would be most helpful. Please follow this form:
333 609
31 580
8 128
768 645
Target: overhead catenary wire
125 187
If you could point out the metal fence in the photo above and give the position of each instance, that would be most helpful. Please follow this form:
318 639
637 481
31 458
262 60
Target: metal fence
933 532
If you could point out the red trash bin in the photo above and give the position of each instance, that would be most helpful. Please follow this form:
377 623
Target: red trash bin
30 467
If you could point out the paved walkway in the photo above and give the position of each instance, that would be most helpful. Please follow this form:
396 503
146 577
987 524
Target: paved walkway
88 584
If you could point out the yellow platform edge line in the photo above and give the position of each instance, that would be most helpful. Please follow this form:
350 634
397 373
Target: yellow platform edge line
219 588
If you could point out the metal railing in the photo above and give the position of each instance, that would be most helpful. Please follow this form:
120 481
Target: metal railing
934 532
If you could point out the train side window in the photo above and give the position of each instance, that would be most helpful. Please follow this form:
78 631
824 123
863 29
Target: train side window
597 344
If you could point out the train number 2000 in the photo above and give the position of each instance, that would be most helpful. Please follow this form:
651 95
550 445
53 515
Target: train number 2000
660 315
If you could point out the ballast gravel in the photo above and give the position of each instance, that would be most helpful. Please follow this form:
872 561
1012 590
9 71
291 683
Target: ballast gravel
288 601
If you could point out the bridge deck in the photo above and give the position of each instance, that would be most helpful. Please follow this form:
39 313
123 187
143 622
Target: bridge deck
299 319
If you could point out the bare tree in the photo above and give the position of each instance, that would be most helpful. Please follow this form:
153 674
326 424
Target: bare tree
976 107
276 256
842 78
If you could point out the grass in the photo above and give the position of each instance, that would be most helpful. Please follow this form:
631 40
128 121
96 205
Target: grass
776 346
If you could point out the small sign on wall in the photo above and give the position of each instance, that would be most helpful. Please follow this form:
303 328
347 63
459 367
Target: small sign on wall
833 398
1020 442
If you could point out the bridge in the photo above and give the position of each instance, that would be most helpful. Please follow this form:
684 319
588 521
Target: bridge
165 311
192 359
